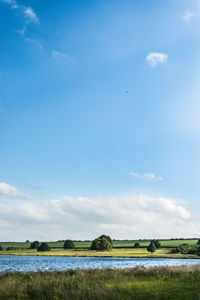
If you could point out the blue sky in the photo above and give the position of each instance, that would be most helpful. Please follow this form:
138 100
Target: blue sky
99 100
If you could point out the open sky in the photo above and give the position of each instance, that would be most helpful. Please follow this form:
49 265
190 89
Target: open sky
99 119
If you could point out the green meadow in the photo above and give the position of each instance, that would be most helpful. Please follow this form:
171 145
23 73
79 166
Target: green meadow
120 249
116 243
180 283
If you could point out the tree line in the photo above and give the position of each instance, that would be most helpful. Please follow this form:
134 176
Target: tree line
105 243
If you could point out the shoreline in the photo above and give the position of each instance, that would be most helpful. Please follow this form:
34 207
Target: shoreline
103 256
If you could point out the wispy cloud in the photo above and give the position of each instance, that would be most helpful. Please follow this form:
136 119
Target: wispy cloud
56 54
156 58
9 191
188 15
28 12
35 42
146 176
30 15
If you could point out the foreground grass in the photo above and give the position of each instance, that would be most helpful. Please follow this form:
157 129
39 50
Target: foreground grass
122 252
140 283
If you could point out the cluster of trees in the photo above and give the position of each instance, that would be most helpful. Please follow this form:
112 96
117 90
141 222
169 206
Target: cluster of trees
102 243
8 248
43 247
11 248
40 247
68 244
187 249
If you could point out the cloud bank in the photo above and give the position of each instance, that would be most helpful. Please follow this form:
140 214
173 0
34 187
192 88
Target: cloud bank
124 217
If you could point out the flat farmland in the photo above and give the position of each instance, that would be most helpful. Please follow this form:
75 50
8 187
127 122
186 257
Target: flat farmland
116 243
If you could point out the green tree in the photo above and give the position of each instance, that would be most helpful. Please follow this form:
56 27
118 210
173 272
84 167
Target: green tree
136 245
96 244
198 243
105 245
44 247
101 243
156 243
1 248
184 249
151 248
69 244
107 237
34 245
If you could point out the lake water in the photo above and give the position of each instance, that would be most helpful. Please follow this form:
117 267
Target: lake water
9 263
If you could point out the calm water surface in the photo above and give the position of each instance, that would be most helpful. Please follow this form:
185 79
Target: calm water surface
9 263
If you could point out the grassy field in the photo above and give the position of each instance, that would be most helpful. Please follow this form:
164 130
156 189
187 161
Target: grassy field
116 244
159 284
120 249
117 252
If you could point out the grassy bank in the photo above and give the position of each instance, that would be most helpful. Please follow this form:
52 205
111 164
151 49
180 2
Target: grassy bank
122 252
140 283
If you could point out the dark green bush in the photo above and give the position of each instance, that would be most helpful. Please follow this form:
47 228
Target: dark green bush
1 248
151 248
156 243
184 249
175 250
69 244
43 247
11 248
95 244
34 245
136 245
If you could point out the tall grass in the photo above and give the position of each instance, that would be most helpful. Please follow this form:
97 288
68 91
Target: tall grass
140 283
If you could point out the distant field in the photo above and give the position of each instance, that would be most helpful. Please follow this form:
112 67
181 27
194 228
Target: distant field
175 283
116 244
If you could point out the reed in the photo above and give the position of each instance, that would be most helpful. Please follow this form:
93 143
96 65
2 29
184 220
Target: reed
139 283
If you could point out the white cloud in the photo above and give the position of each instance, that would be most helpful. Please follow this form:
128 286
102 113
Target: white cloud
28 12
56 54
134 216
146 176
155 58
30 15
188 15
10 191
